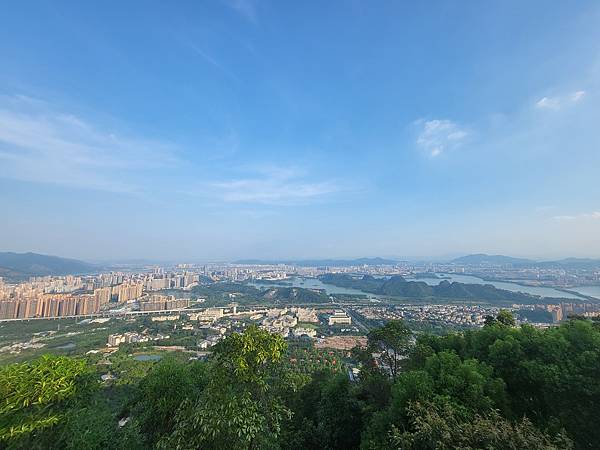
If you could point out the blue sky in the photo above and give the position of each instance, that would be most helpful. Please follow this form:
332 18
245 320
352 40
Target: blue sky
212 130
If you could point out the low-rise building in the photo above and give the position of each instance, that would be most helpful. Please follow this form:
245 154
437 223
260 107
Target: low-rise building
339 318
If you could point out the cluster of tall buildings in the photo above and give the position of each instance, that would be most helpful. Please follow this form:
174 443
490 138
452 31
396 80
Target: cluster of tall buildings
49 305
122 292
128 291
157 282
564 310
37 286
163 303
60 296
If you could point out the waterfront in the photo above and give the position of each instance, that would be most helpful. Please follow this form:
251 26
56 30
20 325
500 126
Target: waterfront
314 283
506 285
592 291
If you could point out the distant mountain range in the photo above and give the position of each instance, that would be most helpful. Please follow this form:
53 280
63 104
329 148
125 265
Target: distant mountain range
18 266
481 259
322 262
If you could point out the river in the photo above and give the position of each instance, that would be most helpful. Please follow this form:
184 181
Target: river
314 283
592 291
506 285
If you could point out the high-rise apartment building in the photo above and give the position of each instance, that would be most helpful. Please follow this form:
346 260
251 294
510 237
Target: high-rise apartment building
103 295
128 292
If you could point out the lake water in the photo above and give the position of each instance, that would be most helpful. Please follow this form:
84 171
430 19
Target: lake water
147 357
514 287
314 283
592 291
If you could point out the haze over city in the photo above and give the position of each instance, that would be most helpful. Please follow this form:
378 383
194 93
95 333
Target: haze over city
253 129
272 225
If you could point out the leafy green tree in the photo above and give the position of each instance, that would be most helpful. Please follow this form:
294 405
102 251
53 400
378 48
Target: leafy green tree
241 407
468 384
35 396
392 342
552 376
159 395
95 427
440 425
489 320
505 317
318 421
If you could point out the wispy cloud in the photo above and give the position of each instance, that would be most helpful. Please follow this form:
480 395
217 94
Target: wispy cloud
212 61
439 135
576 96
245 8
39 143
558 102
595 215
548 103
269 185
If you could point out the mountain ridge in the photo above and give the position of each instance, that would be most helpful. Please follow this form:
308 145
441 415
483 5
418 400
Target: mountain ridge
376 261
17 266
485 259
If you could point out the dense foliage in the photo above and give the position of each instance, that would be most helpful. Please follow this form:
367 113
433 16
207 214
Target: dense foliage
223 293
294 295
499 387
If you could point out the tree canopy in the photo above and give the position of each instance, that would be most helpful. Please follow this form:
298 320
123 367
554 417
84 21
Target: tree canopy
498 387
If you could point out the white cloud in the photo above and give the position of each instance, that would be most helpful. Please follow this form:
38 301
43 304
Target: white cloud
548 103
437 136
595 215
270 185
576 96
558 102
245 8
272 191
39 143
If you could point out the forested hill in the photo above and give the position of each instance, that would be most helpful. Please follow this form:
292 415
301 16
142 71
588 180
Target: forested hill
500 387
294 295
483 259
220 293
24 265
399 287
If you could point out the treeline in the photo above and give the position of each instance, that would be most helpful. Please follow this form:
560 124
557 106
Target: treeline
218 294
397 286
500 387
295 295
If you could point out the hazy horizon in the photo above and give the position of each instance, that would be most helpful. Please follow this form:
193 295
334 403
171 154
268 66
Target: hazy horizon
200 260
253 129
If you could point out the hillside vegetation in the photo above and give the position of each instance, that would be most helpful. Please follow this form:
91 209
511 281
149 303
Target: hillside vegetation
16 266
222 293
500 387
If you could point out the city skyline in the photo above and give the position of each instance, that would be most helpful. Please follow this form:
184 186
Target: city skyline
250 129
